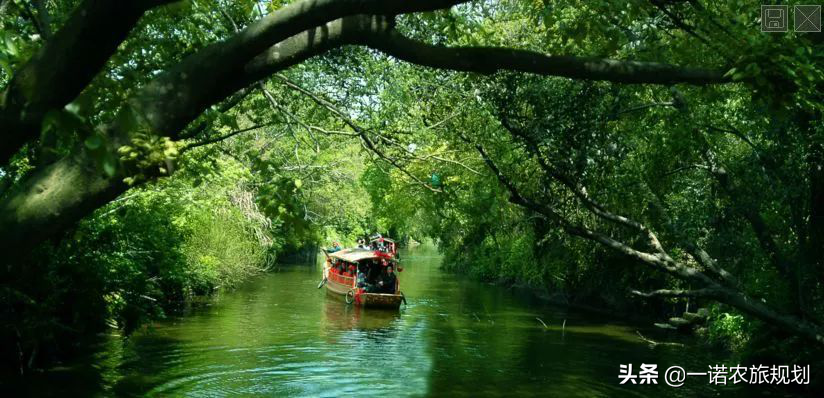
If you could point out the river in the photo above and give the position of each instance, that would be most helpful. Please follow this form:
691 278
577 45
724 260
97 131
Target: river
279 335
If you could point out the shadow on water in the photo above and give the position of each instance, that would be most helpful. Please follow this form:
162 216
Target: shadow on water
279 335
339 316
115 366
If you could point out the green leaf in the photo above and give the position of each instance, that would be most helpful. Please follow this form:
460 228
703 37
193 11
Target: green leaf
94 142
74 109
11 47
109 165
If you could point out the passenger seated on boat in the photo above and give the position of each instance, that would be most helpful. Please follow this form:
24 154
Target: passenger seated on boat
374 272
350 272
361 281
335 248
387 281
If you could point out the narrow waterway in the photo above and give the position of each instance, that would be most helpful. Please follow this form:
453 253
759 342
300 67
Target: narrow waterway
279 335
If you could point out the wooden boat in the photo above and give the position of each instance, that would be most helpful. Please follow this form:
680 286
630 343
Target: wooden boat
340 277
385 245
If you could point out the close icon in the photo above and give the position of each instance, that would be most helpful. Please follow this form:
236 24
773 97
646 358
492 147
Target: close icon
807 18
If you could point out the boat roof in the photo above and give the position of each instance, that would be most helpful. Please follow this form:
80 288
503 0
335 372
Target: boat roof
356 255
382 239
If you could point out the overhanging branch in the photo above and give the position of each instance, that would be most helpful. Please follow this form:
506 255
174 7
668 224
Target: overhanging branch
64 66
707 293
488 60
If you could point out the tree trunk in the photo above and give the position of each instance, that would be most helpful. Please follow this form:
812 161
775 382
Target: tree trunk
52 200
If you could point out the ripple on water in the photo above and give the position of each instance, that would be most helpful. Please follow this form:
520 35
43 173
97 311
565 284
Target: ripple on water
280 336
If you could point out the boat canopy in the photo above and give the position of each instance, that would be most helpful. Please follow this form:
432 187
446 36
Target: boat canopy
357 255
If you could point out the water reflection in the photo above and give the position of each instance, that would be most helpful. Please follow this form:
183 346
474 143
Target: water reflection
281 336
338 316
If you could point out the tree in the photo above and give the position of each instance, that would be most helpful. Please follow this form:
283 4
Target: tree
729 207
57 194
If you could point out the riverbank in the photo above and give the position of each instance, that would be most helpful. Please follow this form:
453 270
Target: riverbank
138 260
455 337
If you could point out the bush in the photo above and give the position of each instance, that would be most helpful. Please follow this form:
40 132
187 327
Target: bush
129 263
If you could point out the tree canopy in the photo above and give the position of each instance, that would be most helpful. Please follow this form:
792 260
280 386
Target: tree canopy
668 145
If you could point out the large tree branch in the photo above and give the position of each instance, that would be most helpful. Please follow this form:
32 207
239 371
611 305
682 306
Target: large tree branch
67 63
660 260
579 191
704 293
225 67
712 289
56 196
489 60
63 67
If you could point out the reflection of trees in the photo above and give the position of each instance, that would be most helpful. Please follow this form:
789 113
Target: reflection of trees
484 342
471 341
143 364
340 316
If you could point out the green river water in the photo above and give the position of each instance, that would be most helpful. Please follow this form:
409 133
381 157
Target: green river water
278 335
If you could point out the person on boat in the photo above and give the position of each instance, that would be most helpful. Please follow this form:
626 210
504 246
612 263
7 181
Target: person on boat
335 248
361 244
374 273
352 271
387 281
363 280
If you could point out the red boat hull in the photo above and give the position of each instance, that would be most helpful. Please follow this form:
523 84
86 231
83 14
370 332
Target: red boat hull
343 287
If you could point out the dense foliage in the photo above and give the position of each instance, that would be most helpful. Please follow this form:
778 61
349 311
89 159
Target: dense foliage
700 190
732 170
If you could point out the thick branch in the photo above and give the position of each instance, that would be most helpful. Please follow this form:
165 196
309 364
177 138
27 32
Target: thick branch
63 67
56 196
225 67
580 191
705 293
488 60
712 289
